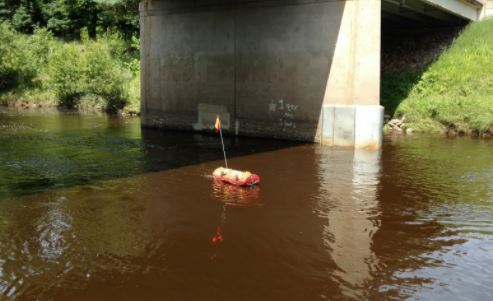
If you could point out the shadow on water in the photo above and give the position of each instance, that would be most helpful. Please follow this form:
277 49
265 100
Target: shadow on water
172 149
45 152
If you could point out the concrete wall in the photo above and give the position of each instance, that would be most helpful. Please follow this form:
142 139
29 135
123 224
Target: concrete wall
274 68
488 9
351 114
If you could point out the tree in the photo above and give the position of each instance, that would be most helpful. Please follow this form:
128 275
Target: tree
122 15
66 18
21 20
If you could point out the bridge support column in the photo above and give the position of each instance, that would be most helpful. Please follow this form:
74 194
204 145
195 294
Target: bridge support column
301 70
351 114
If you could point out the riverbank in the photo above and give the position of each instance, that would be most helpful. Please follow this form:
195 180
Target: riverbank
39 70
432 83
47 106
453 94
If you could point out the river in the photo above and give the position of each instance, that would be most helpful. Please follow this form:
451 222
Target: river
93 207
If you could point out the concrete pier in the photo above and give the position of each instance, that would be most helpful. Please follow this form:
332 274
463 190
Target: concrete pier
291 69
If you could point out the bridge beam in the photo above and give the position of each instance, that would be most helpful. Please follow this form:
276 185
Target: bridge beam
468 9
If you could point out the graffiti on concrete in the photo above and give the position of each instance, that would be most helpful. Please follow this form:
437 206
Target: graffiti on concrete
285 112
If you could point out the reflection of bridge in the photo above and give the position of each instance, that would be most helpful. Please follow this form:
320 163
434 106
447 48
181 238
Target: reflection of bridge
294 69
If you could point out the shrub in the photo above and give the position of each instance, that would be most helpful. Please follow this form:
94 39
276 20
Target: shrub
104 76
66 74
102 73
12 67
132 93
82 69
21 57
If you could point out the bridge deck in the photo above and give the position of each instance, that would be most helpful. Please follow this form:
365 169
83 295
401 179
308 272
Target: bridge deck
434 11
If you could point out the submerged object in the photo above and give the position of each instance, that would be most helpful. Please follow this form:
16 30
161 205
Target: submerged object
218 237
236 177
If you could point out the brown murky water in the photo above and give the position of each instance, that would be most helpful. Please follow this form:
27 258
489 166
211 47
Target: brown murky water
93 208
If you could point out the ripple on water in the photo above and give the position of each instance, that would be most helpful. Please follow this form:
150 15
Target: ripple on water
81 218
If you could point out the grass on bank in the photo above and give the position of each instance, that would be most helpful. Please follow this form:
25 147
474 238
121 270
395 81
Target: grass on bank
456 91
42 70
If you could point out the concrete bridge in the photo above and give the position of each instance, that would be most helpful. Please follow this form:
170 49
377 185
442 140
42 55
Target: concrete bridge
291 69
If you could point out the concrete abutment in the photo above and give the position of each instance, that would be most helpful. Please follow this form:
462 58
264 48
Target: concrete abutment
291 69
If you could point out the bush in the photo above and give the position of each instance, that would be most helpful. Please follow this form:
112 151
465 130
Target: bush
132 93
21 57
84 69
66 71
101 73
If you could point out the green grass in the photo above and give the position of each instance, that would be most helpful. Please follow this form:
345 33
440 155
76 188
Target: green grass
396 86
456 91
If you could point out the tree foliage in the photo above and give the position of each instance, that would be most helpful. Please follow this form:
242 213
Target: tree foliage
21 57
66 18
93 62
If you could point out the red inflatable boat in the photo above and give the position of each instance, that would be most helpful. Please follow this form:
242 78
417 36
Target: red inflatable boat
236 177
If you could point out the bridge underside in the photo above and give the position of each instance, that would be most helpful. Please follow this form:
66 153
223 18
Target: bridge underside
417 15
293 69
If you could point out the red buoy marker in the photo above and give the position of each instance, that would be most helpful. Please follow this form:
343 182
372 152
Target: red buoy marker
225 174
236 177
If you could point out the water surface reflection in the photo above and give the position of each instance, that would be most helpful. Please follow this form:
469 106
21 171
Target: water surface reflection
348 201
133 214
